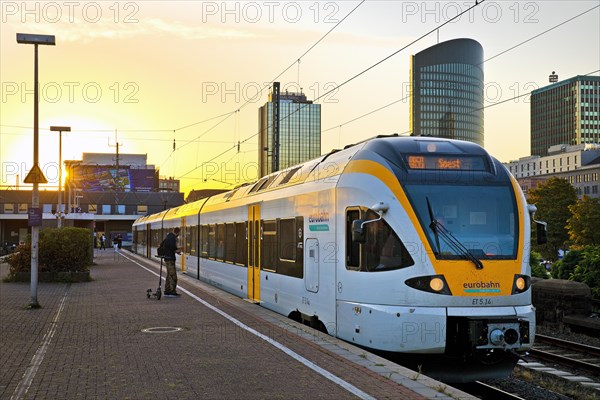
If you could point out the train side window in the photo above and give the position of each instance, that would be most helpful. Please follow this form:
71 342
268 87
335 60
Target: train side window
287 239
230 245
220 241
154 237
212 248
194 240
241 243
185 243
204 241
382 250
352 248
269 245
291 251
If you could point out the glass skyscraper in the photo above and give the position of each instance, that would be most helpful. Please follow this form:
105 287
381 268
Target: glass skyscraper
299 132
447 91
566 112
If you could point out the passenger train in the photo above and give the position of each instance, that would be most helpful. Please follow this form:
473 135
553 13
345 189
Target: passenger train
409 245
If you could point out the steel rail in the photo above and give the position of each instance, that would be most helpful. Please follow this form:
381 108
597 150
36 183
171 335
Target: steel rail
585 350
566 344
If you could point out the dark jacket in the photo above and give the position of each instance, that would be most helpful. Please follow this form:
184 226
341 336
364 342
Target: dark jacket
170 246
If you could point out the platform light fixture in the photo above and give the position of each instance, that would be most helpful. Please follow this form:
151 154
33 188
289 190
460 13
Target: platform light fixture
35 176
59 212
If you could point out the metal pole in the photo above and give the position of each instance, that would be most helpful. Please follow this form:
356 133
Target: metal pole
35 200
59 211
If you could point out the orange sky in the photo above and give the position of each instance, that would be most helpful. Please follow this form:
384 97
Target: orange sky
146 72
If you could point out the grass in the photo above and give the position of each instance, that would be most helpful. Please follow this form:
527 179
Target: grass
573 390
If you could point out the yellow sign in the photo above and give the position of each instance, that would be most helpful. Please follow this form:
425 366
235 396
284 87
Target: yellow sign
35 175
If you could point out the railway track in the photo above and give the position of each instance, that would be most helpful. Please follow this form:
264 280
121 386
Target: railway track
575 355
485 391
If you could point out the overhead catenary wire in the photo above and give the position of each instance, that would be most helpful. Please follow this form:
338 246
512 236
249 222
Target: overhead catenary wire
486 60
297 60
225 115
405 97
358 74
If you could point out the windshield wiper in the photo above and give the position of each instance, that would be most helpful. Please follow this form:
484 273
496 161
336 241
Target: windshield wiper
459 248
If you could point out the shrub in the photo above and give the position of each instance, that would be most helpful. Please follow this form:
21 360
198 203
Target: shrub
65 249
60 250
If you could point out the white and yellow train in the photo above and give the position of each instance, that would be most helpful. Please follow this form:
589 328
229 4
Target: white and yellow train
409 245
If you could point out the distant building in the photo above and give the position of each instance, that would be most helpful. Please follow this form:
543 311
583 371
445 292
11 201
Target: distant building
169 184
566 112
447 91
290 131
105 212
100 194
101 172
579 164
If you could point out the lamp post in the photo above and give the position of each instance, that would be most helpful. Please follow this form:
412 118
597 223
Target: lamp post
35 176
60 129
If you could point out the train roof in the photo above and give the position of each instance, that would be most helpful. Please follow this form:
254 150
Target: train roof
326 166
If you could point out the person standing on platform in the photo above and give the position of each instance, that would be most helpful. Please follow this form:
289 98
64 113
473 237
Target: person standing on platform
170 250
103 242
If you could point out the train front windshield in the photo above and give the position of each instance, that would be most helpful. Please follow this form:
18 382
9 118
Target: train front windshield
480 219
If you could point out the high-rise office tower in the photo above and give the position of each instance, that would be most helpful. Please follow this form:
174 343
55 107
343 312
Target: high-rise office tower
447 91
290 131
566 112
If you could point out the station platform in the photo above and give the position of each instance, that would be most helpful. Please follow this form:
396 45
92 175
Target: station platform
105 339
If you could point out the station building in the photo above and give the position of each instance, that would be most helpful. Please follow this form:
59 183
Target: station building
100 194
579 164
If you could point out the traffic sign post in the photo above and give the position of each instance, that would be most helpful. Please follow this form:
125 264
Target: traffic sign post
35 175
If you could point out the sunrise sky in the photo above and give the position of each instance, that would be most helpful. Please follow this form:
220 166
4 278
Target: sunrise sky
145 73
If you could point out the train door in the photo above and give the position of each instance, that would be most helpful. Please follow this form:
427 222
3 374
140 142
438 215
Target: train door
183 240
254 253
311 265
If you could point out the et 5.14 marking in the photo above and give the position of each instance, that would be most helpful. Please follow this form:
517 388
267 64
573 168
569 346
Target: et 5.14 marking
482 302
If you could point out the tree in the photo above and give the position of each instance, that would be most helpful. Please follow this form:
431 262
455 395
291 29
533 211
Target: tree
588 269
537 269
552 199
564 268
584 224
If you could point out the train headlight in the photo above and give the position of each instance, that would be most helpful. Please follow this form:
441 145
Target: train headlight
520 284
431 283
436 284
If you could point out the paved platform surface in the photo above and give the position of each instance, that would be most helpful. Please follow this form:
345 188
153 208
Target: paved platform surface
106 340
